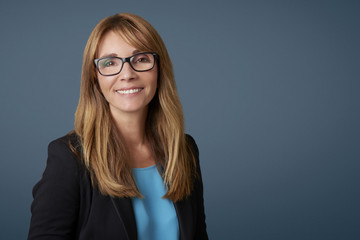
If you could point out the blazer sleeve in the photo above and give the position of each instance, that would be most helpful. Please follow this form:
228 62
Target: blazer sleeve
201 232
56 196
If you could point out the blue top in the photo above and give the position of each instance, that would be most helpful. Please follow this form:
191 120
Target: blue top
156 217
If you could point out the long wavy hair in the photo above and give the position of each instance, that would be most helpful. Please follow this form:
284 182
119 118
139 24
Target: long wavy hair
102 149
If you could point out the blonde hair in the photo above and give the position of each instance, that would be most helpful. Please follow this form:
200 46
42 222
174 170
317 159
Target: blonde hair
103 151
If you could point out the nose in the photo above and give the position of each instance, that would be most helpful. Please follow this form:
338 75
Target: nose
127 73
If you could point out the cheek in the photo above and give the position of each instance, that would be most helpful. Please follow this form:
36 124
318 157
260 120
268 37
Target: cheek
104 83
105 88
156 77
155 83
102 87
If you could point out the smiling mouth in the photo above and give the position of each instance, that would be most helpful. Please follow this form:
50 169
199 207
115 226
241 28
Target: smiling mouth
130 91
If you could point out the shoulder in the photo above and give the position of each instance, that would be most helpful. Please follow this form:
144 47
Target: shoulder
56 195
195 152
62 153
63 143
63 167
191 142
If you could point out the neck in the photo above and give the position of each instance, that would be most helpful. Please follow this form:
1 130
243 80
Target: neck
131 127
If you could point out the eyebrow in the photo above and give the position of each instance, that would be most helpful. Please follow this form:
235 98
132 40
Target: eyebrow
115 54
109 55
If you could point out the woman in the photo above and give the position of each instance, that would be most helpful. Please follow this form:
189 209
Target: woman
127 171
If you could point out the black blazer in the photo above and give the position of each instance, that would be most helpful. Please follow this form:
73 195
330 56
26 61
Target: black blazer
66 206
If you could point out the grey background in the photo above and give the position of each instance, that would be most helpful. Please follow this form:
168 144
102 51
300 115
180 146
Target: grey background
270 91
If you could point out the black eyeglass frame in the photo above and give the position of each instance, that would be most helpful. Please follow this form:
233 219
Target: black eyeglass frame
124 60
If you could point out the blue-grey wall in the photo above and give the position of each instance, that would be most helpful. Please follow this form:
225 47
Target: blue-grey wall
270 89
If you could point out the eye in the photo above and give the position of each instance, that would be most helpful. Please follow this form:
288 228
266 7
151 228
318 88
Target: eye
141 58
108 62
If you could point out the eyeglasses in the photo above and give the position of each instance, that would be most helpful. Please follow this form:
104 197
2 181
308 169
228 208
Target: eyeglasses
140 62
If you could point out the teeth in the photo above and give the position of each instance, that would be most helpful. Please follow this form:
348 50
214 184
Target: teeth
129 91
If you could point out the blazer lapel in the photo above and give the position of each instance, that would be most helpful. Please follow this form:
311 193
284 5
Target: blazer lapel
125 212
184 211
186 221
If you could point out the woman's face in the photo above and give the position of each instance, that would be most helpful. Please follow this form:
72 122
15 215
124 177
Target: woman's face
129 91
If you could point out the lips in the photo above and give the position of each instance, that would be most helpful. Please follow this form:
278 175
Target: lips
129 91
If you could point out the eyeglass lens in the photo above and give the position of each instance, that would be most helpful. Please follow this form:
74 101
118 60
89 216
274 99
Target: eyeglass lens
113 65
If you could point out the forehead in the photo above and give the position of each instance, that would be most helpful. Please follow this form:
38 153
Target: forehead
113 43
